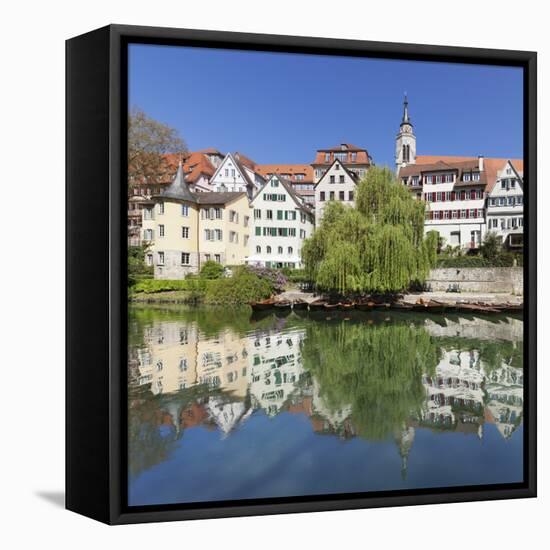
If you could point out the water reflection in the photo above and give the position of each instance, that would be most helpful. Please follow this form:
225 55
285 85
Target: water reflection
361 377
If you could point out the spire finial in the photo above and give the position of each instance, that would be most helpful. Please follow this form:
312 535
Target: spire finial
405 110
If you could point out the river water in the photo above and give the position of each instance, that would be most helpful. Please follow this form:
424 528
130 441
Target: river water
225 404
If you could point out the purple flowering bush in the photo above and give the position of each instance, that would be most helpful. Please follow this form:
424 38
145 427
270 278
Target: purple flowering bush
275 277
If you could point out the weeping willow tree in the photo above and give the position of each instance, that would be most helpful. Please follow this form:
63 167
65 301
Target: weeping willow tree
374 369
377 247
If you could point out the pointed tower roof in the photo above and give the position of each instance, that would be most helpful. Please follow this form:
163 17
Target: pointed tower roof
178 189
406 119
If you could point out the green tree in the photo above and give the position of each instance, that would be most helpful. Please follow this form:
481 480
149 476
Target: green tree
137 269
211 270
491 247
148 143
378 246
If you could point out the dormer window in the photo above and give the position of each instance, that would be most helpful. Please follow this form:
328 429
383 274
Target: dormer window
466 177
327 157
475 176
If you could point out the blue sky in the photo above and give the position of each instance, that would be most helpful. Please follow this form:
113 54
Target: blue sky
280 108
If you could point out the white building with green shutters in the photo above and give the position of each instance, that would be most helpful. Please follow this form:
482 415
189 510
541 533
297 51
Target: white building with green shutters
281 222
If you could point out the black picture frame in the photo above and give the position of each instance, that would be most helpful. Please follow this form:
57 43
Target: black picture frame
96 296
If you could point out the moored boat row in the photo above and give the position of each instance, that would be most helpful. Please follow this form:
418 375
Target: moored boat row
421 305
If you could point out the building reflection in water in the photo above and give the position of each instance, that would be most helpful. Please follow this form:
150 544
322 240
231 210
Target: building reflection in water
180 379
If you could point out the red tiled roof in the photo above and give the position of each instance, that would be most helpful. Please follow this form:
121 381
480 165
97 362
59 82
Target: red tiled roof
444 162
195 164
244 160
362 155
290 171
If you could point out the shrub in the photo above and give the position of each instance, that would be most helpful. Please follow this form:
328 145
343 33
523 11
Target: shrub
211 270
275 277
137 269
244 287
160 285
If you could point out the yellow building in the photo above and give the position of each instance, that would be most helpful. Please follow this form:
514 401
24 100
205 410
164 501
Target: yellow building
186 229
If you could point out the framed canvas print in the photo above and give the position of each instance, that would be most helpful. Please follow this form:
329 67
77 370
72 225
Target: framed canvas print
301 274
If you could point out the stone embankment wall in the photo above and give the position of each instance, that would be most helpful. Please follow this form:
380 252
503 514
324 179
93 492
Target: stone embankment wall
478 279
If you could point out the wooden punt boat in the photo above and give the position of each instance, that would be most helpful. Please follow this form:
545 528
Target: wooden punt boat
299 305
317 305
262 305
332 306
364 306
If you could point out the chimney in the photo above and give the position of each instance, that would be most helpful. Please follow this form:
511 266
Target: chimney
480 159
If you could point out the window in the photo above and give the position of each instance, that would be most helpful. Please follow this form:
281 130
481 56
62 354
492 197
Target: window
290 250
332 179
353 157
185 210
185 232
268 249
207 235
503 184
218 258
218 213
455 214
258 231
475 176
466 177
218 234
147 213
185 258
161 208
350 195
279 214
233 216
246 219
414 180
149 259
269 214
322 196
161 230
331 195
160 258
148 235
438 195
233 237
258 250
341 195
342 157
257 214
207 257
342 178
232 172
429 179
519 200
463 214
302 233
280 250
327 157
227 172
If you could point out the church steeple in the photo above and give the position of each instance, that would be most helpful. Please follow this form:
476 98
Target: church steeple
406 119
405 146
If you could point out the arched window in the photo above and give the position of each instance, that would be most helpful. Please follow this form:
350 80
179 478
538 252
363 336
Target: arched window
406 151
280 250
290 251
259 249
268 250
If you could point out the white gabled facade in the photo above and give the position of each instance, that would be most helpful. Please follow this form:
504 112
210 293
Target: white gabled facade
281 222
233 175
337 184
505 206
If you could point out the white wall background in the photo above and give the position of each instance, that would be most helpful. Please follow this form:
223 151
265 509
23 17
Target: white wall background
32 179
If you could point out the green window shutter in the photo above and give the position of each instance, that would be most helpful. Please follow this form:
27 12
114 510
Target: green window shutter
279 214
